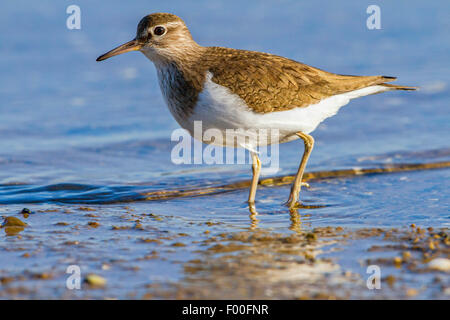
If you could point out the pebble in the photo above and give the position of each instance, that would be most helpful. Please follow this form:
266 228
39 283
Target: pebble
406 255
93 224
412 292
13 222
441 264
398 261
95 280
431 245
25 211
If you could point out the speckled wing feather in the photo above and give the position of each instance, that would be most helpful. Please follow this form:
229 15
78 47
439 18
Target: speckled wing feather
270 83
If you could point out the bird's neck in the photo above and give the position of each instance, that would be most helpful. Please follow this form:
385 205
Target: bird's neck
183 59
181 77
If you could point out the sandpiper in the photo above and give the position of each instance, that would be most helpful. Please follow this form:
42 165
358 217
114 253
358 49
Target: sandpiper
232 89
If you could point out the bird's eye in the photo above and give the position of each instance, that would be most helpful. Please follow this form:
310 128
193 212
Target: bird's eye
159 31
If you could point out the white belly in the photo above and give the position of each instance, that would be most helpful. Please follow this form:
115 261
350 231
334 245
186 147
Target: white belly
219 109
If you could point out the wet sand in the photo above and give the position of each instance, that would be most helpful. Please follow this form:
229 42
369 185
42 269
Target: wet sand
128 252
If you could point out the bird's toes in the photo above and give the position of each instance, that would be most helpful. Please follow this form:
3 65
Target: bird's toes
291 204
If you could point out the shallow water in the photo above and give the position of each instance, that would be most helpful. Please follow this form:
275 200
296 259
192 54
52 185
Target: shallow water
74 132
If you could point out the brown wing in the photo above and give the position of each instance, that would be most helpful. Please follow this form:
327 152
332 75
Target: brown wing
270 83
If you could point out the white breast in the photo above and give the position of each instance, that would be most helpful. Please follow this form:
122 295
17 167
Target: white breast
217 107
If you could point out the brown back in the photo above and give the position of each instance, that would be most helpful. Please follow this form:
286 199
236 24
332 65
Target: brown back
270 83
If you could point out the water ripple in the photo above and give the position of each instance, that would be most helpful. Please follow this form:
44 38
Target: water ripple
105 194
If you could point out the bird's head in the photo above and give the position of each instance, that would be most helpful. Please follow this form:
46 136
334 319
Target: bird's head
160 36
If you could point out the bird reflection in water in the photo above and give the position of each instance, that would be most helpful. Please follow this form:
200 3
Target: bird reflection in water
295 216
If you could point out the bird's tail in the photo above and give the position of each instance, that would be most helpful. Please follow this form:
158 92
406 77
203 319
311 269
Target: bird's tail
359 82
396 87
393 86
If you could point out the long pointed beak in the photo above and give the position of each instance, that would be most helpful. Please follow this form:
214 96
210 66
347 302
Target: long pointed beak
132 45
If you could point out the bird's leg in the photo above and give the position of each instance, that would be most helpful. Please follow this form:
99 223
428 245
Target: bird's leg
256 168
297 185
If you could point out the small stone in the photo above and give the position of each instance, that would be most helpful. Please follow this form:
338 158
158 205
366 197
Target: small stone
91 215
412 292
119 227
93 224
95 280
5 280
13 222
406 255
42 276
178 244
150 240
147 296
139 226
25 211
440 264
85 209
71 243
106 266
390 279
397 261
431 245
311 236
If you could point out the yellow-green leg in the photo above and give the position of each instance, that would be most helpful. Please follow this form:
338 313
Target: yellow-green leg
297 185
256 168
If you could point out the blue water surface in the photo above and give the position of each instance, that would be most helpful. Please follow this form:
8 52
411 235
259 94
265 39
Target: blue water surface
76 131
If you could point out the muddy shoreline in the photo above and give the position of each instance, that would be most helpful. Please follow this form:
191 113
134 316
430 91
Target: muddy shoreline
304 263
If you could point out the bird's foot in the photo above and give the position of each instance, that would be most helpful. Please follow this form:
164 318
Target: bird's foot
252 208
293 197
293 204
